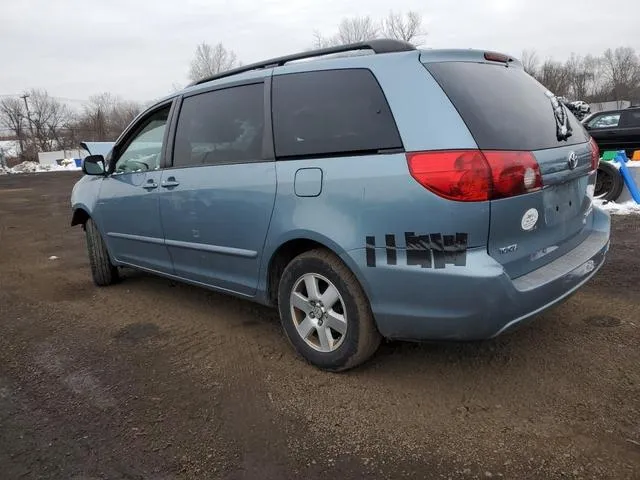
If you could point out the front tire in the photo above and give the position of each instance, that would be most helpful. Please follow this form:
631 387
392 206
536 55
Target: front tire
325 313
102 270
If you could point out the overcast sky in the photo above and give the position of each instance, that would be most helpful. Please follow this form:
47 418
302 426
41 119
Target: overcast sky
139 48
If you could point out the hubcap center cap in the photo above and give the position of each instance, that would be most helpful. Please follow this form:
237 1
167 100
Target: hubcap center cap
318 312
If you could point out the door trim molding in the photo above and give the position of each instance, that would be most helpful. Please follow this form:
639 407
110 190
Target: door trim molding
236 252
136 238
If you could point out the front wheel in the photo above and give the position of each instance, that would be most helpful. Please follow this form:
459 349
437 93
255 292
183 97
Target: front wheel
325 313
102 270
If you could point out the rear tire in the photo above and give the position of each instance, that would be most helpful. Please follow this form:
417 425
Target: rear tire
102 270
334 329
609 182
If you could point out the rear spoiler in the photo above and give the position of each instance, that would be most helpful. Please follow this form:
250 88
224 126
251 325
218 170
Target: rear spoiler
97 148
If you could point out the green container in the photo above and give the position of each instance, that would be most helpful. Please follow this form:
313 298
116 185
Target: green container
608 155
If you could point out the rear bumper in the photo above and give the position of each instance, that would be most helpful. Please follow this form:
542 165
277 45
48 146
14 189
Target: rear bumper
479 300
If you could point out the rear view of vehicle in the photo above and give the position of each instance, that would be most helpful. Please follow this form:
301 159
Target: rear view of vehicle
535 162
533 168
473 199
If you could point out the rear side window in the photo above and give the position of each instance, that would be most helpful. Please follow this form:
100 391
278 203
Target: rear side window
504 108
630 119
331 112
219 127
609 120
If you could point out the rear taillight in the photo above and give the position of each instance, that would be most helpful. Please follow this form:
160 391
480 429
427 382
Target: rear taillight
513 173
475 175
595 154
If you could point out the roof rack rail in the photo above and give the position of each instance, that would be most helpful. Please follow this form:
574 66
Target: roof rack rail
381 45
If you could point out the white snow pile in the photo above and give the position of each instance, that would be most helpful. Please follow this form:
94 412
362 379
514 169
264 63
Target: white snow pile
10 148
629 207
35 167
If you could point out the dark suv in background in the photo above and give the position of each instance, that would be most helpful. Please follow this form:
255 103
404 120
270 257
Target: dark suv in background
616 129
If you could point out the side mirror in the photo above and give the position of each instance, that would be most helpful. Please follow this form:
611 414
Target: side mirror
93 165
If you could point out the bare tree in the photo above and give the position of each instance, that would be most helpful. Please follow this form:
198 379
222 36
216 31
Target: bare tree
105 116
210 60
47 117
350 30
12 117
320 41
582 75
554 76
621 68
96 117
600 89
407 27
357 29
530 62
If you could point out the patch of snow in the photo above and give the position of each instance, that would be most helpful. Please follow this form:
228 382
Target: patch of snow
53 257
629 207
10 148
35 167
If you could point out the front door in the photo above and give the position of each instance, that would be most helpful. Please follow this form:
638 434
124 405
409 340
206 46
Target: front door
127 211
217 198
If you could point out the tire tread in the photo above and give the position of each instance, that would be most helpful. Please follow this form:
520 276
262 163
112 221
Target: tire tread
103 271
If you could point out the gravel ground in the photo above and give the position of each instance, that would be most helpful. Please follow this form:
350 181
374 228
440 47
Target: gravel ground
149 379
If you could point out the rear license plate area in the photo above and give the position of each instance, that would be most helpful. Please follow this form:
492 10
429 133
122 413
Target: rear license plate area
563 202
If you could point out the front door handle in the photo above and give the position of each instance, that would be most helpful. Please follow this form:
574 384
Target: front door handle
170 182
150 185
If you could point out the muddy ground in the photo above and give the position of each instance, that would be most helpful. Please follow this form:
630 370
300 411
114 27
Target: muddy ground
152 380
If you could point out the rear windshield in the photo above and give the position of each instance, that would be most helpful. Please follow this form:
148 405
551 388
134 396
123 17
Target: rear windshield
504 108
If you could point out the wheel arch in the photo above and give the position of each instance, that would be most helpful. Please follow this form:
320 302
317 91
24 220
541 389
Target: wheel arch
290 249
80 216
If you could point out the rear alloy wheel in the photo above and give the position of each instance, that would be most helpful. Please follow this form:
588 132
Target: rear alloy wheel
325 313
318 312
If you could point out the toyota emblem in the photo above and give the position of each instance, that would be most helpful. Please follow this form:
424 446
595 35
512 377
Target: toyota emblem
573 160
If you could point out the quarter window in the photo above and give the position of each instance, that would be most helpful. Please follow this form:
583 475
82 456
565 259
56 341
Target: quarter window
331 112
222 126
630 118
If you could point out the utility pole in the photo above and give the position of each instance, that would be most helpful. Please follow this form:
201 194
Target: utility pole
33 137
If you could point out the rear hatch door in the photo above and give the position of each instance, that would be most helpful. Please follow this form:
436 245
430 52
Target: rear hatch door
506 109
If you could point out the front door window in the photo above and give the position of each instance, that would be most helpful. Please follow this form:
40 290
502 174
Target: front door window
143 152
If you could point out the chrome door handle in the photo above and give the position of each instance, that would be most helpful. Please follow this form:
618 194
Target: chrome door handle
150 185
170 182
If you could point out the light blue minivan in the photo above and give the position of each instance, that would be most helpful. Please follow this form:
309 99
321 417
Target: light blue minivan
397 193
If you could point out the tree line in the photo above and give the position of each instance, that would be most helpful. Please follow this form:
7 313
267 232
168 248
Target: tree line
210 59
613 76
40 122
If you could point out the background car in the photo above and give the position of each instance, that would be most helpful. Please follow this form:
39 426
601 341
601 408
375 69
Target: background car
616 129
